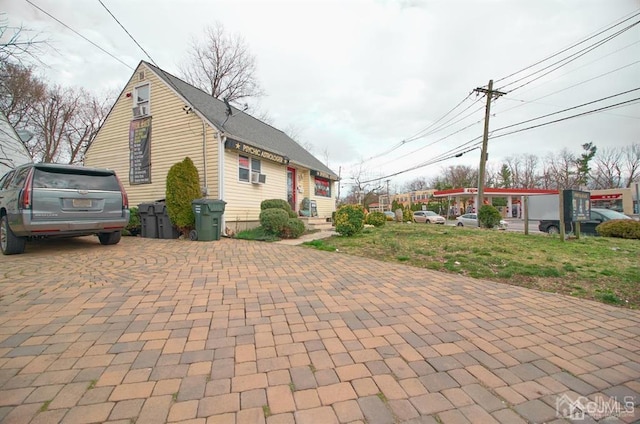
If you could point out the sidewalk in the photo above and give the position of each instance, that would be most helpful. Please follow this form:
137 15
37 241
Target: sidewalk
322 234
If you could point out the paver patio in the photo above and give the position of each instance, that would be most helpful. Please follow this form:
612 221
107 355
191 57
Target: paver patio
152 331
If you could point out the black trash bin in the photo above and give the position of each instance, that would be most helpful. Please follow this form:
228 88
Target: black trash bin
208 214
166 230
148 220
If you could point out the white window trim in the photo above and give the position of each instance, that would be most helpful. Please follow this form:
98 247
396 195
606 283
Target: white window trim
147 103
251 170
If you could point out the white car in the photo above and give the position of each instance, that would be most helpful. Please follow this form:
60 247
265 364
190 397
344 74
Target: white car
428 217
471 220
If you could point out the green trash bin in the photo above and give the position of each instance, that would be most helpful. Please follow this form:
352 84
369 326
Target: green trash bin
208 214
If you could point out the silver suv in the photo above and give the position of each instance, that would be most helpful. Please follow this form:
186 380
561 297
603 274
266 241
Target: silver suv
49 200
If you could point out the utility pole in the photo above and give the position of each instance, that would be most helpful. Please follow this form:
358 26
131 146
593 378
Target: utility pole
491 93
388 197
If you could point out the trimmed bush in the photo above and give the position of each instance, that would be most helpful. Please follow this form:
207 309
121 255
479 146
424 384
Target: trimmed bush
349 220
293 229
621 228
489 216
377 219
274 220
407 215
275 204
278 204
183 186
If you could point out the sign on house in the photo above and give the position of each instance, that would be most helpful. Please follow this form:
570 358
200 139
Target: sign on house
255 151
140 151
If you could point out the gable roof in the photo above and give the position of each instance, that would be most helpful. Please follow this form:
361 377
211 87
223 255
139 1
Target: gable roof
240 125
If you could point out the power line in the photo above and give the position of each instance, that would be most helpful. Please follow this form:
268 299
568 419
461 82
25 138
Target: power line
413 137
77 33
455 152
566 60
432 143
130 36
572 45
567 88
568 109
626 102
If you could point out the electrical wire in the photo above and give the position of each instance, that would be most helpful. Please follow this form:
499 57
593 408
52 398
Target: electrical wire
614 106
565 61
127 32
611 26
78 34
455 152
412 138
568 109
567 88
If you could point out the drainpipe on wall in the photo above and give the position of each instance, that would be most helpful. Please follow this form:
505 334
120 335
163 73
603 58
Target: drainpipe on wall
221 140
204 158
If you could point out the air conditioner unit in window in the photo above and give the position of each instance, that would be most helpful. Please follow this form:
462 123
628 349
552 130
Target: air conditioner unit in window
258 178
139 111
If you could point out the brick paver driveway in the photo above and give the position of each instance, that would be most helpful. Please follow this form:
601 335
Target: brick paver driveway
153 331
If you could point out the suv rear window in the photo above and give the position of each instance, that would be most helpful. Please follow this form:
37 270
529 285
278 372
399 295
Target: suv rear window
63 179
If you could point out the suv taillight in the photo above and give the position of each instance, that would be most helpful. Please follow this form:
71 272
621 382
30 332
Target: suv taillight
25 194
125 198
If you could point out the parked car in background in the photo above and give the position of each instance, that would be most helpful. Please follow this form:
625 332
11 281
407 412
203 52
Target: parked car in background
428 217
598 216
471 220
49 200
391 216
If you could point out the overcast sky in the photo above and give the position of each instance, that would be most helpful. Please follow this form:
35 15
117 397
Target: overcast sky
354 78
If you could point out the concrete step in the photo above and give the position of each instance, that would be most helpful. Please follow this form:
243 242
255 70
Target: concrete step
316 223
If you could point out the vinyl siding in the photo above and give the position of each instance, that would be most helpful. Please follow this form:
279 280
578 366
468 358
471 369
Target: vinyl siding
174 135
244 198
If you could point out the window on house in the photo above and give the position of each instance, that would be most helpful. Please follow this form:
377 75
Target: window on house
141 95
255 165
246 166
323 187
244 172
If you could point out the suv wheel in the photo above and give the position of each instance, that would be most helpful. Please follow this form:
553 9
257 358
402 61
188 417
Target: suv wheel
553 230
10 244
110 238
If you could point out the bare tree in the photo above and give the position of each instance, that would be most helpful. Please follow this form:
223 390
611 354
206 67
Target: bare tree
18 44
514 163
365 189
560 170
632 163
20 90
529 175
607 170
64 124
222 65
417 184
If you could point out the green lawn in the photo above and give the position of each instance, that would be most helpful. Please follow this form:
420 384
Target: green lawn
599 268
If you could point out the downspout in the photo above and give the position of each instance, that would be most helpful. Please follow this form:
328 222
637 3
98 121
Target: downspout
221 140
204 158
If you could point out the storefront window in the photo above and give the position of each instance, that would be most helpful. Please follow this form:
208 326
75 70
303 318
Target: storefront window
323 187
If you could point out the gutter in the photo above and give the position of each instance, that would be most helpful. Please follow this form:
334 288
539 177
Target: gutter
221 141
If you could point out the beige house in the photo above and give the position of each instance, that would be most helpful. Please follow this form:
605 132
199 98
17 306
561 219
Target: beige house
159 119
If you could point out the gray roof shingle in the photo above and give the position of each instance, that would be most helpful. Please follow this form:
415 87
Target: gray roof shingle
241 124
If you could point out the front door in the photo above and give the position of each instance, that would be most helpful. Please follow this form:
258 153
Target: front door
291 187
